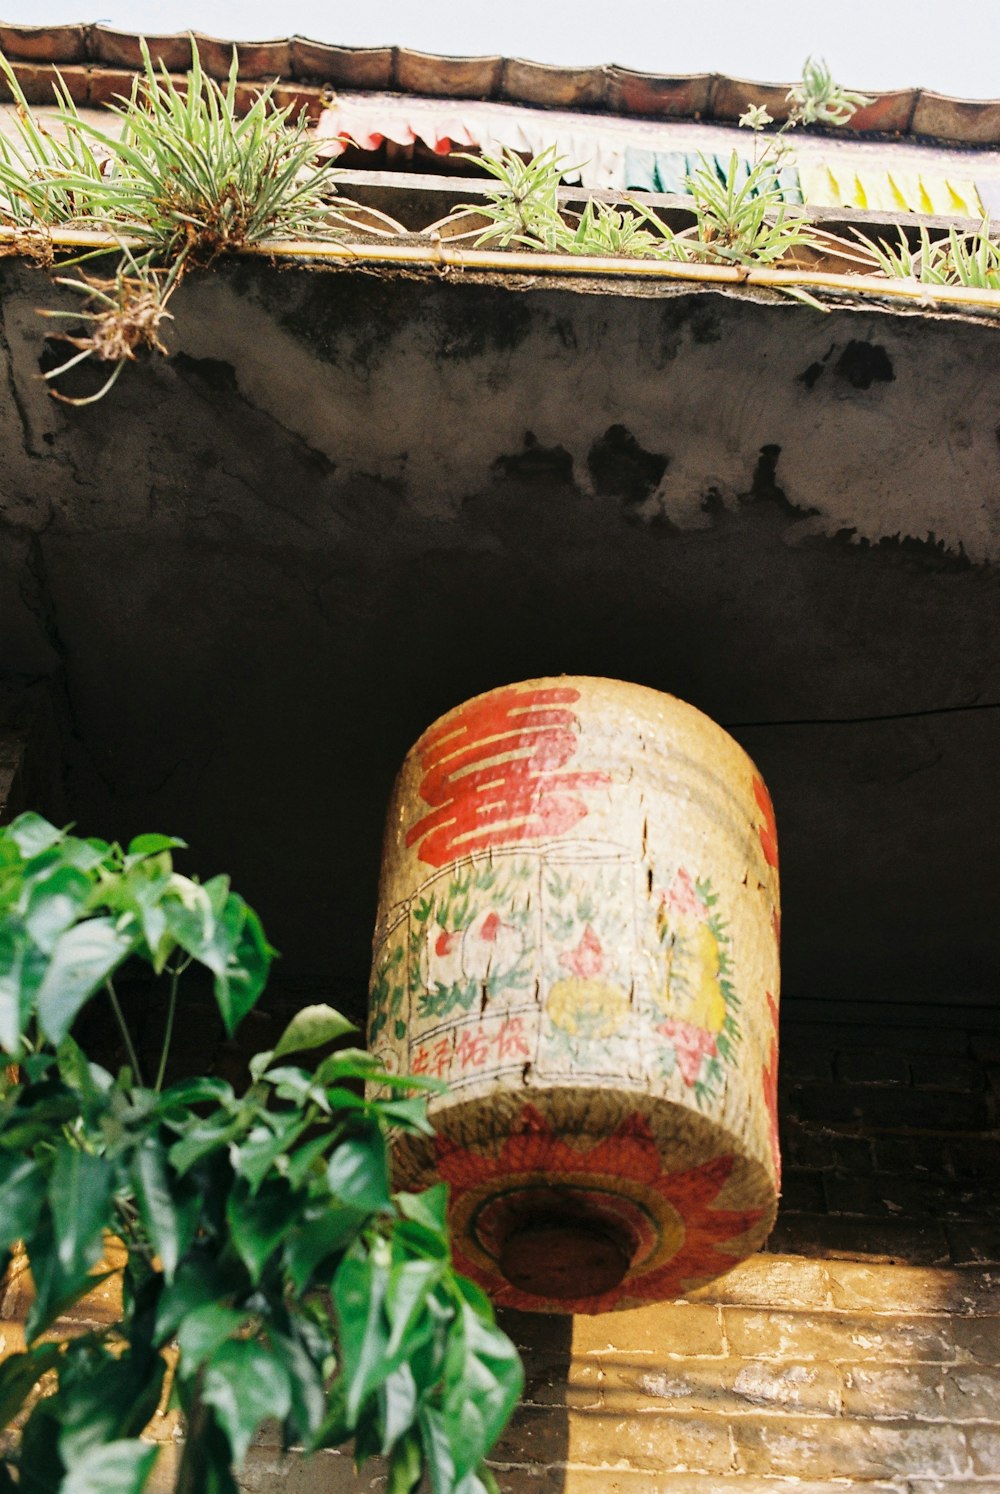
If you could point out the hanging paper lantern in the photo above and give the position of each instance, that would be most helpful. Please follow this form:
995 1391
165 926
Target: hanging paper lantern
578 932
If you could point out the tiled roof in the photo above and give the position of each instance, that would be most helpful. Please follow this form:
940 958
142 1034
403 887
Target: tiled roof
98 63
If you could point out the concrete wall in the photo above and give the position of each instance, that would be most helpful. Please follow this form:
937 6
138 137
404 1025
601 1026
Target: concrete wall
258 570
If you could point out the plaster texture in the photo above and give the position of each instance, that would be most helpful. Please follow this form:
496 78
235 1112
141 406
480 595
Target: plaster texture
348 501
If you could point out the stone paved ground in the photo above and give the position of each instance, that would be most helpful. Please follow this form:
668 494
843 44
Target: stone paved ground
861 1352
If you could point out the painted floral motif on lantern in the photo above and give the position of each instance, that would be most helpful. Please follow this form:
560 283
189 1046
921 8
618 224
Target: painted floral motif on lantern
696 997
387 995
588 915
683 1238
468 938
584 1002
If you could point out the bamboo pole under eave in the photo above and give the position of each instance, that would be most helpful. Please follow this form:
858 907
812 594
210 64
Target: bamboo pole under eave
436 255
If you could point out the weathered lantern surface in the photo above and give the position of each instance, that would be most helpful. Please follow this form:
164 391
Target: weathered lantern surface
578 931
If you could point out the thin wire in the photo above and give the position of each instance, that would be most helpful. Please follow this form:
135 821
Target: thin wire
986 705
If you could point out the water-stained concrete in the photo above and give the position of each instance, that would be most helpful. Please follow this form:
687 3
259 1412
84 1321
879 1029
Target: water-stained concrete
257 570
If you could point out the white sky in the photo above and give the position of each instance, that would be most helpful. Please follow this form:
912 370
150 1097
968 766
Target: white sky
875 44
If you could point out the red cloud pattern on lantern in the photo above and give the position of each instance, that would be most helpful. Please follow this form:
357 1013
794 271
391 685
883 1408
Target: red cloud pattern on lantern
767 830
769 1076
491 774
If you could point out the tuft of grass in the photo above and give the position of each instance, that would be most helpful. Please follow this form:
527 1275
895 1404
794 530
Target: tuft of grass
46 178
190 177
183 179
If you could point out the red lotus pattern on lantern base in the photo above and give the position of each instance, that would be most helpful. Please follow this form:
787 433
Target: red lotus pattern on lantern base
677 1229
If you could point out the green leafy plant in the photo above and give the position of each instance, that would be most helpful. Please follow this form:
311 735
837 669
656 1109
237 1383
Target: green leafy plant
818 99
741 216
604 229
744 221
267 1269
524 208
969 259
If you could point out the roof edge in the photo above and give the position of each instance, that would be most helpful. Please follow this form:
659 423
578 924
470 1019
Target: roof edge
918 113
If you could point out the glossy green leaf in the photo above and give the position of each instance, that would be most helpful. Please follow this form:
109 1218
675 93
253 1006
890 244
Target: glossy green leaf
83 958
398 1398
90 1080
359 1290
358 1172
438 1454
202 1331
80 1190
188 1092
258 1153
169 1223
22 966
200 1282
420 1241
305 1379
32 834
317 1239
22 1193
410 1115
311 1028
481 1481
143 892
55 904
258 1222
482 1393
151 845
410 1284
245 976
307 1158
246 1384
85 855
352 1063
102 1398
429 1208
39 1111
122 1467
201 1138
405 1467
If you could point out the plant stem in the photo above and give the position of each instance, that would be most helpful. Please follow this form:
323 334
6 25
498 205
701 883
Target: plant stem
191 1473
123 1029
168 1034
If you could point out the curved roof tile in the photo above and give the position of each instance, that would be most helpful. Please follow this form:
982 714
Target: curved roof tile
619 90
